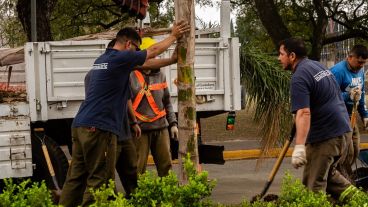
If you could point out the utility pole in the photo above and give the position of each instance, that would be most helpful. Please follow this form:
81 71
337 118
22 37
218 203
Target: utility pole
184 10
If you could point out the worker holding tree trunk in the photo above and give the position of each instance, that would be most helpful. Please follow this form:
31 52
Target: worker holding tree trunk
349 75
99 119
323 130
154 112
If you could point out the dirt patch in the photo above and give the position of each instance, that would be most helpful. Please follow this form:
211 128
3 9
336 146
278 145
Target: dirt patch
12 96
214 128
270 198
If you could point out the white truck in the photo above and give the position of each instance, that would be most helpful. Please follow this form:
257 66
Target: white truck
54 73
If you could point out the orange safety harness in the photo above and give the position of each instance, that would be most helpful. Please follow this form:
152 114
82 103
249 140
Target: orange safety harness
146 90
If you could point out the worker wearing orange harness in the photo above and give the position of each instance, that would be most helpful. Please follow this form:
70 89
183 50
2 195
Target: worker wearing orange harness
155 114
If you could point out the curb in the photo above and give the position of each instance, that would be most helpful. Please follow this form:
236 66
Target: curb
250 154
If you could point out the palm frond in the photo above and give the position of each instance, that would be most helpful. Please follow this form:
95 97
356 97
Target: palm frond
267 89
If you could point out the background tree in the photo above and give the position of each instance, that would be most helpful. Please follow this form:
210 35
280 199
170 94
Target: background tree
307 19
11 33
263 28
76 18
44 11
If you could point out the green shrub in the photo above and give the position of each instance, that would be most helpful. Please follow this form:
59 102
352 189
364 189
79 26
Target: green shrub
166 191
25 194
359 199
294 193
106 197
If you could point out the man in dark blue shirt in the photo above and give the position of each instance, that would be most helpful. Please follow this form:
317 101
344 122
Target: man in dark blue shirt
322 122
126 155
99 119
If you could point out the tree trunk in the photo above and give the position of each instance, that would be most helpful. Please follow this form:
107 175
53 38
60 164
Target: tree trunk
271 20
319 31
184 10
44 10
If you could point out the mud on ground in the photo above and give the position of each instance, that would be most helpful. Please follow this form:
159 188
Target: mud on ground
213 128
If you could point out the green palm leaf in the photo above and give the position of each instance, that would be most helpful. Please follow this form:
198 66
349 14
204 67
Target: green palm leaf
267 90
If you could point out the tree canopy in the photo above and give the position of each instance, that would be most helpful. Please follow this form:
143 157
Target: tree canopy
307 19
11 32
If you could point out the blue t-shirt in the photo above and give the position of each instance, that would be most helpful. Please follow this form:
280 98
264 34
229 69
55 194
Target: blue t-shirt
108 91
347 80
125 133
314 86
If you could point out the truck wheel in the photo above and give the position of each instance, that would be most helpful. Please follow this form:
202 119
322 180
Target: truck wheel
58 160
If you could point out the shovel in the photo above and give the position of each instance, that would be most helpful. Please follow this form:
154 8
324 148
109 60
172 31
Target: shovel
57 192
276 166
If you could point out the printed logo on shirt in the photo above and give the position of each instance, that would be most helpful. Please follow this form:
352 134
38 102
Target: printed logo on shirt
100 66
356 81
324 73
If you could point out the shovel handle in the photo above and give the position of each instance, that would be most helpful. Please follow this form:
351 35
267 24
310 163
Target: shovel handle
284 150
50 167
353 114
279 161
48 160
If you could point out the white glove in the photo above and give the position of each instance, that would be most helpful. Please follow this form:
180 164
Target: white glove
365 121
298 158
356 93
174 132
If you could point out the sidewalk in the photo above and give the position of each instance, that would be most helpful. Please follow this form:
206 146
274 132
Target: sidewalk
249 149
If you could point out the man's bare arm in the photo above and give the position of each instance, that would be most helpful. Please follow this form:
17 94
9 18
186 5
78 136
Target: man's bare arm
302 121
131 111
153 63
177 31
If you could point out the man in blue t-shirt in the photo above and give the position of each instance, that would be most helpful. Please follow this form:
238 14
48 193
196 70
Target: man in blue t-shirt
349 75
126 155
99 119
321 119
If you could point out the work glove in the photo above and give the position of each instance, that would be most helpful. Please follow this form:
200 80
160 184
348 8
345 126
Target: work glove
174 132
298 158
356 94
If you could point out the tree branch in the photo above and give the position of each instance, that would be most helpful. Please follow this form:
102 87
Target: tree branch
271 20
331 38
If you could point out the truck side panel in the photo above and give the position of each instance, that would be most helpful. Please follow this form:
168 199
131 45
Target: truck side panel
56 71
15 140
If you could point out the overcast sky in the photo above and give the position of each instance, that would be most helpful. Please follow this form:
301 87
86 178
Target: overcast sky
212 14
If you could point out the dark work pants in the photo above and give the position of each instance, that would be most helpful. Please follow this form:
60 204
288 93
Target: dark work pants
353 153
159 143
126 165
321 171
93 164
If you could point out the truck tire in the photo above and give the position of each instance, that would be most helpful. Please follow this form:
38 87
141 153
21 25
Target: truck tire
58 160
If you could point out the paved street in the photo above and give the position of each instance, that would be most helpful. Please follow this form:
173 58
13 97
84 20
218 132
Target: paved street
238 180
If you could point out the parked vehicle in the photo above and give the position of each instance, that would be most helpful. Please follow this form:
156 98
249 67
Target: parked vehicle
54 83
